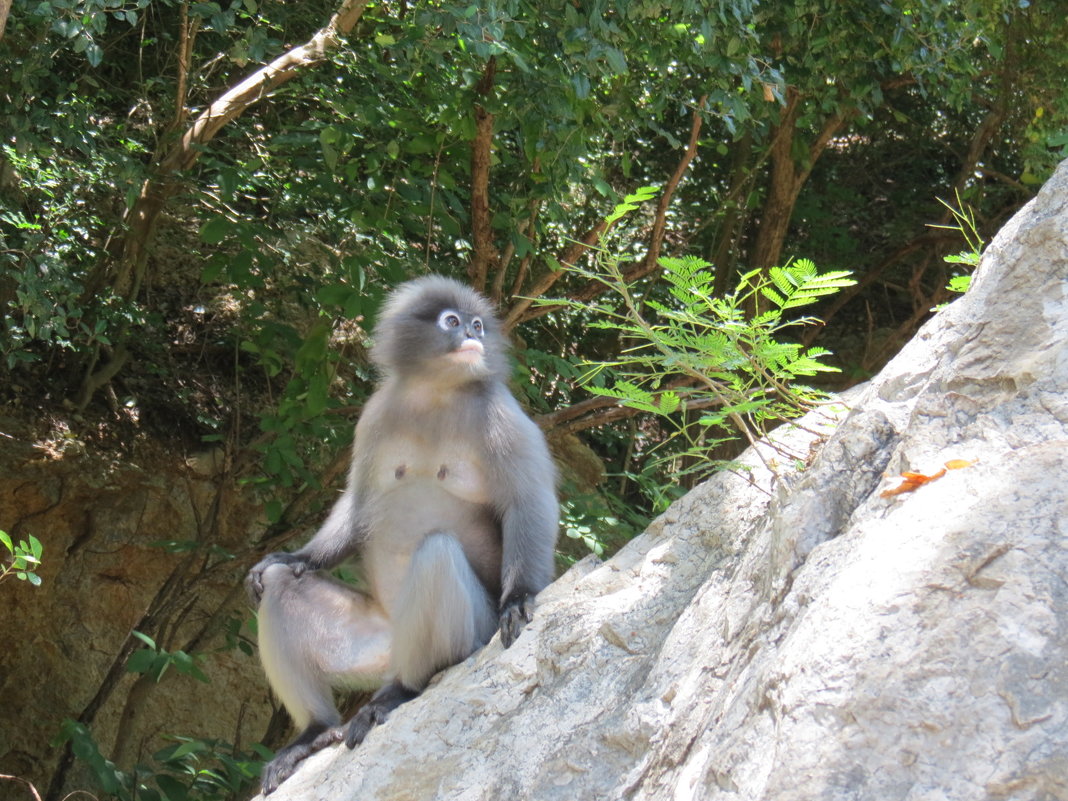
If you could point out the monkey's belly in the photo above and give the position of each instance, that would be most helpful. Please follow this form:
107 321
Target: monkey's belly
411 510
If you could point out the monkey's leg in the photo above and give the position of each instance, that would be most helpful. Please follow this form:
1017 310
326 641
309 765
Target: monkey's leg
443 615
315 634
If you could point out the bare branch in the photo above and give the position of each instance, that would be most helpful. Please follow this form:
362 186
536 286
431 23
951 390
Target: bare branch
187 34
260 84
5 8
656 239
598 411
4 776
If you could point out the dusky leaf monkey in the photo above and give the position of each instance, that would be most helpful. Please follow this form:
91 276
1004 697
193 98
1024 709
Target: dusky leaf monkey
451 505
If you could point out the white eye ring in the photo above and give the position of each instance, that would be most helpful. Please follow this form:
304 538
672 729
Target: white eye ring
448 319
476 325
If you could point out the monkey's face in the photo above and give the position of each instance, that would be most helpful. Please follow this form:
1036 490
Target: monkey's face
438 329
463 337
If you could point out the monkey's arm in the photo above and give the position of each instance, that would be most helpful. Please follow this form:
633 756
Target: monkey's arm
336 540
529 513
529 535
343 531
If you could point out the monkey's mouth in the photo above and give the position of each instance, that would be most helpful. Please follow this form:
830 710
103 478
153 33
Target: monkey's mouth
469 352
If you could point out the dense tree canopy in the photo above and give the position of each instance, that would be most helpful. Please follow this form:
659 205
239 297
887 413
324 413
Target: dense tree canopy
162 184
202 204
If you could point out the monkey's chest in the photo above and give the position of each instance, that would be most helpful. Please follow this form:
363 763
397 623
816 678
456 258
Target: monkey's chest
407 469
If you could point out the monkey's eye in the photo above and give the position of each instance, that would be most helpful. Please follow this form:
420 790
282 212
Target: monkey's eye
448 319
476 325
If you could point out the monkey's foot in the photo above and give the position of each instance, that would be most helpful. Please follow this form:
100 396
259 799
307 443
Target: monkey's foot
377 711
285 762
516 612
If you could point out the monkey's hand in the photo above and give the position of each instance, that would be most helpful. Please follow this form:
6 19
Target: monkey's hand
254 579
516 611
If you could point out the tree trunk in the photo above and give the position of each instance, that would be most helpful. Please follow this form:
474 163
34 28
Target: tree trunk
485 253
787 178
782 188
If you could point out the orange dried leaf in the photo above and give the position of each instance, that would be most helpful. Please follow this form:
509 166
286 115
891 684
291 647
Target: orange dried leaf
911 481
922 478
903 487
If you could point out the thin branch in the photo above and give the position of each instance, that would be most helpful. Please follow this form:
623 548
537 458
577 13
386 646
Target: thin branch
656 239
4 776
522 312
924 240
555 420
830 128
518 312
187 34
526 229
430 215
1007 180
598 411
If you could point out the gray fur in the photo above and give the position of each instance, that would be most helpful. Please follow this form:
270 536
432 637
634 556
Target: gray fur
451 504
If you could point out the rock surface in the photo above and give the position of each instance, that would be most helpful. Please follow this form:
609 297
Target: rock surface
101 519
801 636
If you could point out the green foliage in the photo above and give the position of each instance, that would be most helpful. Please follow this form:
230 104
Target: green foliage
48 241
722 356
964 222
153 661
22 559
595 523
189 770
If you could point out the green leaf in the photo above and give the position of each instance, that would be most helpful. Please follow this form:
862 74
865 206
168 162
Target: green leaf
631 202
616 60
959 283
272 510
669 402
141 661
145 639
215 230
334 294
173 789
